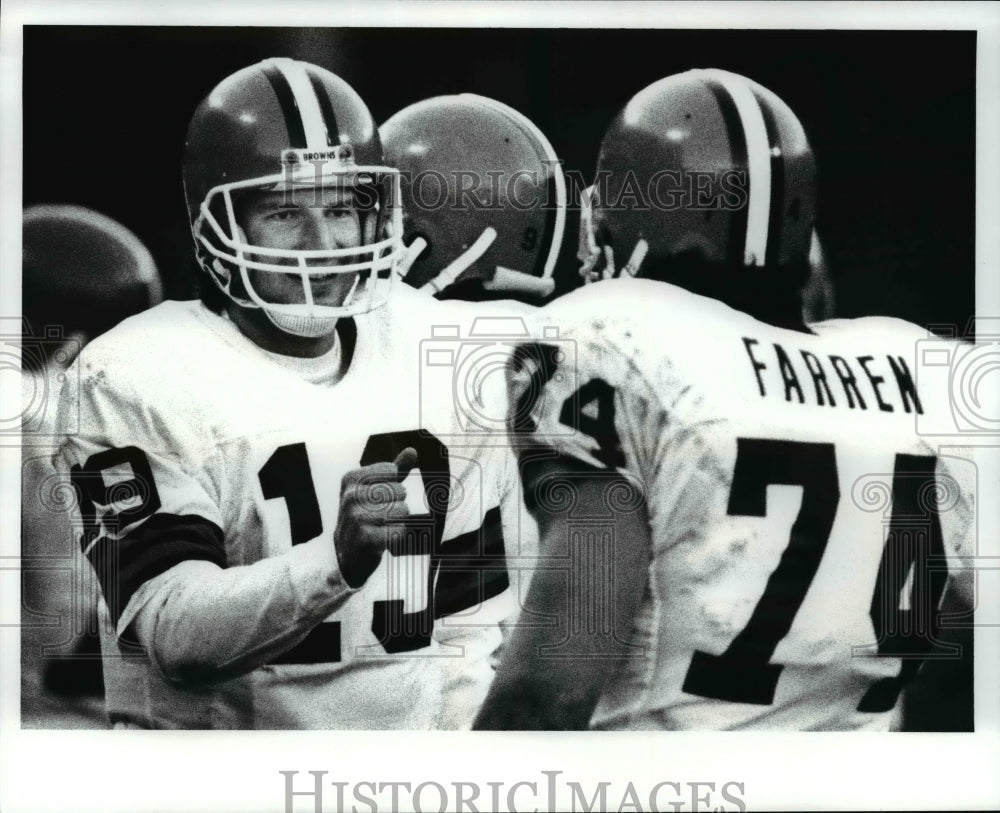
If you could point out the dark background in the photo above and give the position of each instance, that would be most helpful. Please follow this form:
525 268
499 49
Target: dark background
891 116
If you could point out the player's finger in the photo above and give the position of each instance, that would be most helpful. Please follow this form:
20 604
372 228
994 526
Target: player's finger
393 514
383 472
385 536
377 496
405 461
355 476
398 511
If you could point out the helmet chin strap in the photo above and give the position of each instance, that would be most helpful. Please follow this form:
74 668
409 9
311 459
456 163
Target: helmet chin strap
451 272
410 256
221 272
631 268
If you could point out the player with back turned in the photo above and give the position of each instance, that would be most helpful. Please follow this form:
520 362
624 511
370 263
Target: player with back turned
242 462
741 527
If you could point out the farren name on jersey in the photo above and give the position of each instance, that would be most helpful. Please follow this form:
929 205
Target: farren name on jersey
861 382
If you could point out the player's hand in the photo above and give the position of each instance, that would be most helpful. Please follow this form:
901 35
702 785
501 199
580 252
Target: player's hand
372 509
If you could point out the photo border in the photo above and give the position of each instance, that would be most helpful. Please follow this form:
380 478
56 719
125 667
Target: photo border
230 771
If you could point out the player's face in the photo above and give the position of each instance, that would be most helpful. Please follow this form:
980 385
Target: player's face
305 219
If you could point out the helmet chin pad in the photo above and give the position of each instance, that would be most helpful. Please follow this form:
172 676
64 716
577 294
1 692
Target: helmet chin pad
311 327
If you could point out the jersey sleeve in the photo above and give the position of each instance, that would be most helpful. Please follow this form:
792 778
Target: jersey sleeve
152 509
581 400
142 505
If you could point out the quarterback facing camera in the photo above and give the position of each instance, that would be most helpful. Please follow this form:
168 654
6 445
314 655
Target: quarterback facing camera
45 362
282 126
968 371
477 365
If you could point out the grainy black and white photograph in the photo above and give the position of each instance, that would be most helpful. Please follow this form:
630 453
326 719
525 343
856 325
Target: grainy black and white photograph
459 406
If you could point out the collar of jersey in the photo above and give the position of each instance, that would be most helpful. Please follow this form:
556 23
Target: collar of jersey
322 370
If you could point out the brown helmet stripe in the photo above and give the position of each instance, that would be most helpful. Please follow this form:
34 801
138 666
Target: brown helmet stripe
776 222
738 218
289 107
326 108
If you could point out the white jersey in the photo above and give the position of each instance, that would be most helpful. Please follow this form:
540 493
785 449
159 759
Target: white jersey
194 444
795 511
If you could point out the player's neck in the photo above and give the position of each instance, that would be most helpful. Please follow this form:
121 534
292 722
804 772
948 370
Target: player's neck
787 316
770 294
255 325
777 306
782 308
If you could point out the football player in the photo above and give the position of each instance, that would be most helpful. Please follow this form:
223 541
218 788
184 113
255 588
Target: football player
242 462
741 527
484 199
82 273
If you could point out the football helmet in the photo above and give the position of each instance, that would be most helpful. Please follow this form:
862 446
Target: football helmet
83 271
706 164
278 126
484 197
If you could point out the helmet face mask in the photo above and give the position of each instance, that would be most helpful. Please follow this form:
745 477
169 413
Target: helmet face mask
703 167
248 137
484 197
371 263
596 251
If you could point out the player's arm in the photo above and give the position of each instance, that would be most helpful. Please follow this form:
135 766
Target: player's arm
167 584
956 473
577 620
154 532
475 602
202 623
